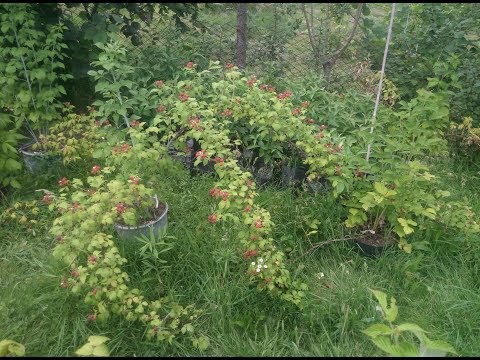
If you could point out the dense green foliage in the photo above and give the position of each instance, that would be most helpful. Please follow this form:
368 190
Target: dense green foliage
289 166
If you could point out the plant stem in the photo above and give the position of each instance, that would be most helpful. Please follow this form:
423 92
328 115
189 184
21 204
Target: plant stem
29 128
119 96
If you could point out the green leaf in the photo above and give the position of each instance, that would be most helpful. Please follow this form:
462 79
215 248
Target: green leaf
376 330
202 343
403 349
10 347
101 350
85 350
439 345
411 327
390 313
96 340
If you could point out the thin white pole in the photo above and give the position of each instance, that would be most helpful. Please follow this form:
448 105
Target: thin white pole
377 101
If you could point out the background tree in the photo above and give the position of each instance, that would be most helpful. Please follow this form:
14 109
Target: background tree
326 49
241 35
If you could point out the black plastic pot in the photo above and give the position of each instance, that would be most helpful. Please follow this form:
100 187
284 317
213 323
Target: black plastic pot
263 175
321 186
371 250
293 175
184 158
37 162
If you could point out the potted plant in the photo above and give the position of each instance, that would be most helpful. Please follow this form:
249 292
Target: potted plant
138 212
31 87
71 139
137 168
388 208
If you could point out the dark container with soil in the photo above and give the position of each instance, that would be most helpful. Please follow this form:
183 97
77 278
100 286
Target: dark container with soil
372 244
293 175
38 162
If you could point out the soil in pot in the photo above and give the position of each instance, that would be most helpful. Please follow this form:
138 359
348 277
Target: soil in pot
159 224
371 244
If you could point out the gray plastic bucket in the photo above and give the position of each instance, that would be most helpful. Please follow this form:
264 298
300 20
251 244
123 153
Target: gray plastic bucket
159 225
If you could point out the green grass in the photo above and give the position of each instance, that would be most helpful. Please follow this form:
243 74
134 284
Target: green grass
436 288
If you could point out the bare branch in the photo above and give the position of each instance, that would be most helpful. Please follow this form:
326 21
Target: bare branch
340 51
310 34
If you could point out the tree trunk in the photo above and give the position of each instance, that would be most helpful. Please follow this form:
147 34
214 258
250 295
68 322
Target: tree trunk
241 35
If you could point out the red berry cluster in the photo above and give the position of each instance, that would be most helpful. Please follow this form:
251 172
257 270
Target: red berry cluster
305 104
267 88
338 170
219 161
123 149
194 123
227 112
359 173
189 65
121 207
183 97
47 199
333 150
296 111
202 154
159 83
319 135
285 95
63 182
135 180
215 192
309 121
74 206
135 123
161 108
249 253
252 81
323 127
213 218
229 66
248 208
92 259
223 195
95 169
258 224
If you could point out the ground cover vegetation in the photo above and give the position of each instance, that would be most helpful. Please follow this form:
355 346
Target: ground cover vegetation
271 196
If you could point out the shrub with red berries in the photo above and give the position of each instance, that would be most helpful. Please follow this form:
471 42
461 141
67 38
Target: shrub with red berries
183 97
63 182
